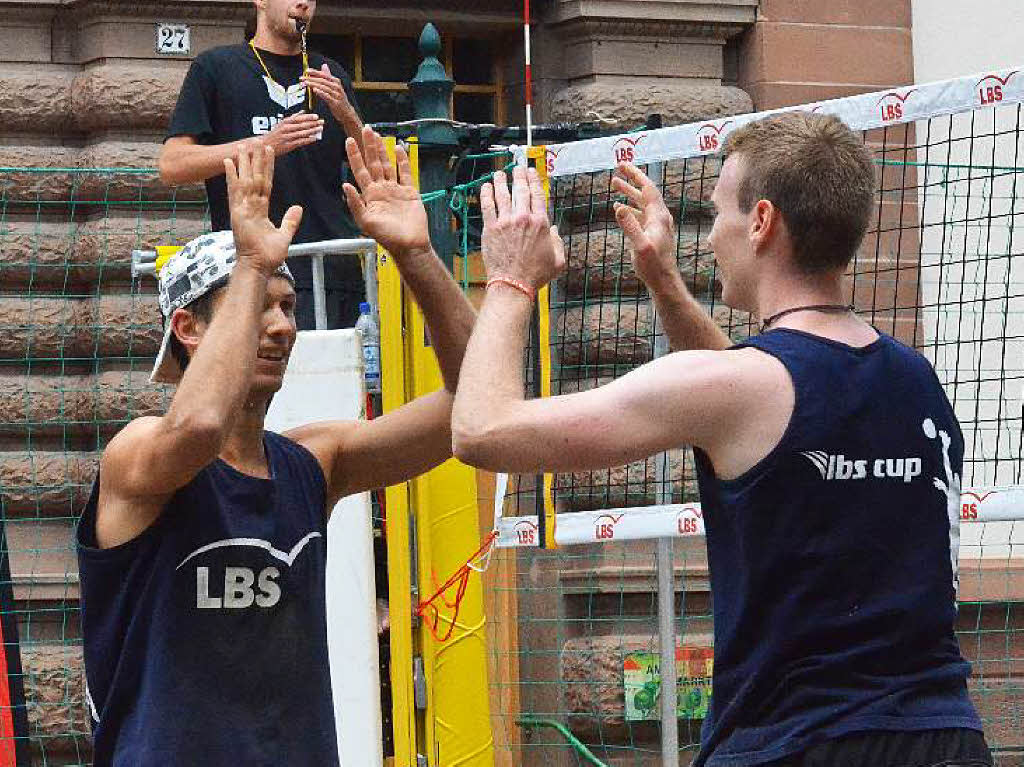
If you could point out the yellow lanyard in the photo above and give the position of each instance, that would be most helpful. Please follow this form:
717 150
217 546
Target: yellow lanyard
305 69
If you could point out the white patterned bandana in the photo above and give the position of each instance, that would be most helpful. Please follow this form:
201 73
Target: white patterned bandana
204 264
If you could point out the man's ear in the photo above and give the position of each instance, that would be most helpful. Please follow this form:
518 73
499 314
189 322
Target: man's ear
765 224
188 329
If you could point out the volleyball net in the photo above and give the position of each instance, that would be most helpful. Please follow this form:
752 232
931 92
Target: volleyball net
941 269
572 632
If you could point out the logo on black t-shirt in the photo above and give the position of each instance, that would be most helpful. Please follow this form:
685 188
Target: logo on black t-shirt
288 97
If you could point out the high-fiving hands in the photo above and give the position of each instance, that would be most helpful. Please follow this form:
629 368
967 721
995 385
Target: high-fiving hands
386 205
519 242
258 242
648 225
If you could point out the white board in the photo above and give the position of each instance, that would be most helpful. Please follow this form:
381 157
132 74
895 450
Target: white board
324 381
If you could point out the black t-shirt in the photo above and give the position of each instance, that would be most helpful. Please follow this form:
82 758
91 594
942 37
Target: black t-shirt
226 97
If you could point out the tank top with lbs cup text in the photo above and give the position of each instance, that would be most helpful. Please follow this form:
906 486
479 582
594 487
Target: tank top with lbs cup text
833 560
206 636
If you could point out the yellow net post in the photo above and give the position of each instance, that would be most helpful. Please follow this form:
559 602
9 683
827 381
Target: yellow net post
453 725
394 395
538 154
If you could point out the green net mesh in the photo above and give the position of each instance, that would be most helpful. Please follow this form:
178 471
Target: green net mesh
941 269
77 339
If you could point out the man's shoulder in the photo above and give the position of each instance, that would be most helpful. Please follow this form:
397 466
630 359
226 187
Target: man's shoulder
715 365
136 429
222 55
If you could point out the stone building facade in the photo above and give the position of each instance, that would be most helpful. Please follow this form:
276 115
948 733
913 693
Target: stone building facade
82 86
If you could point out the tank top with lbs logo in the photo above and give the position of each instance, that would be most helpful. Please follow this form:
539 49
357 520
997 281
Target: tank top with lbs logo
833 561
205 637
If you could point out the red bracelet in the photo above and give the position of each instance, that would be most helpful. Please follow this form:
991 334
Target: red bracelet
521 287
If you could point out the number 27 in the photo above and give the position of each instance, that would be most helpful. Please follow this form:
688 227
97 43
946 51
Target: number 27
172 38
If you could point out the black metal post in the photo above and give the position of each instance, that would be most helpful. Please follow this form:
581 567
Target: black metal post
431 94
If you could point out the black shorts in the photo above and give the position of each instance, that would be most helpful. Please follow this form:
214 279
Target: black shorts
924 748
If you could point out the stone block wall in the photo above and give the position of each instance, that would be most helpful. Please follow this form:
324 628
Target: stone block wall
798 52
80 87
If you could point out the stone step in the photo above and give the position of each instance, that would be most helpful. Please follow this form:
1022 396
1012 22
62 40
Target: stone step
111 96
677 102
587 199
604 335
74 404
44 571
599 264
61 328
64 256
45 484
62 174
58 718
606 338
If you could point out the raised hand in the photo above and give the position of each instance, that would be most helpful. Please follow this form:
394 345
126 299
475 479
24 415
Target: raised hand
292 132
647 224
386 206
518 239
257 241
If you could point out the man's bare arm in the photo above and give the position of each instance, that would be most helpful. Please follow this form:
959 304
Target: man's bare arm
326 86
696 397
153 457
702 398
389 209
649 226
184 161
366 455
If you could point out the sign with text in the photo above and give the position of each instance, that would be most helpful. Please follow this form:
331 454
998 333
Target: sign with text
641 676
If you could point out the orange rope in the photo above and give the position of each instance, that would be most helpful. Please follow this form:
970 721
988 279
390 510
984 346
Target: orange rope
461 577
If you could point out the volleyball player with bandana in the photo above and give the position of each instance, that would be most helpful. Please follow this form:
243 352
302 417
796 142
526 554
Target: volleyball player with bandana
202 549
267 92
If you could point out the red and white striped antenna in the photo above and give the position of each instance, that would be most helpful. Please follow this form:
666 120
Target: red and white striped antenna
529 73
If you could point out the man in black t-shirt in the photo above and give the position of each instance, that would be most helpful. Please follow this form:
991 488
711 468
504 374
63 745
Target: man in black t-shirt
267 91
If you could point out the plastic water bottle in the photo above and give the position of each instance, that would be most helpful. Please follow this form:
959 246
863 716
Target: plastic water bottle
367 328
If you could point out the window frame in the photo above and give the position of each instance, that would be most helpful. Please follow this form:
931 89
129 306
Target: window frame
497 89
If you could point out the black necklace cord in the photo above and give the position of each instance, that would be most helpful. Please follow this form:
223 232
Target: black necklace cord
827 308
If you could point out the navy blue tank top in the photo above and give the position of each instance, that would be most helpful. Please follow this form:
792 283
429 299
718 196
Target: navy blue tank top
206 636
833 560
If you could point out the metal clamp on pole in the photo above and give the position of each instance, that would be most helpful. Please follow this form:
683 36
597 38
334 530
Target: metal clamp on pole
144 264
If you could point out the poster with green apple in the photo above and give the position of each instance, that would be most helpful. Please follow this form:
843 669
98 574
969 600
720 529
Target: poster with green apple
641 675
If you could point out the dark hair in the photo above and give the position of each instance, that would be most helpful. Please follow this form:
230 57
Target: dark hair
820 176
250 27
201 308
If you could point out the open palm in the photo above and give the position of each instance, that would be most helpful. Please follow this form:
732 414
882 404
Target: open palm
646 222
249 179
386 206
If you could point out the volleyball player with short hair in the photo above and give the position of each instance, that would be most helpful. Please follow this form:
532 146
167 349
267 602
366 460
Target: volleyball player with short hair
828 456
202 549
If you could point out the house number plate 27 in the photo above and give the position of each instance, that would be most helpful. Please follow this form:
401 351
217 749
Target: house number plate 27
173 39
